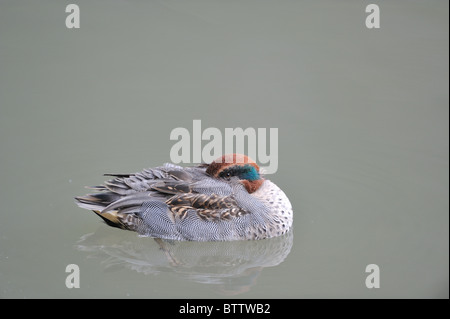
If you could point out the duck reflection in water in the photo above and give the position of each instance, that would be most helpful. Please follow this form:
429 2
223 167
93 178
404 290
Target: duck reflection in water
232 267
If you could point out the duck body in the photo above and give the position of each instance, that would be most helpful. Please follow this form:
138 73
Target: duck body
225 200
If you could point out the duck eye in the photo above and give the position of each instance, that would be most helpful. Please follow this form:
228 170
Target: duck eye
226 175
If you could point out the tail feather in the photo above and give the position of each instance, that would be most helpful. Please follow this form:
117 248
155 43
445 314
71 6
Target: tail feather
112 209
97 201
120 220
135 200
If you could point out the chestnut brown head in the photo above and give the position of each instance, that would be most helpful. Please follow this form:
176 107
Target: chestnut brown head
238 165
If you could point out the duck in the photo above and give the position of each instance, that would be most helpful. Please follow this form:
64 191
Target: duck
228 199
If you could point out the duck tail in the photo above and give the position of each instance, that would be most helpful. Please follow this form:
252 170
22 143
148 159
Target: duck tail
113 219
97 203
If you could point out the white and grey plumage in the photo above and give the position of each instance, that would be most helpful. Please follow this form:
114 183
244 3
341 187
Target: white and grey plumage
225 200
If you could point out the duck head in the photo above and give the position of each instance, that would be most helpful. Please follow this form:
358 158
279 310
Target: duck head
238 165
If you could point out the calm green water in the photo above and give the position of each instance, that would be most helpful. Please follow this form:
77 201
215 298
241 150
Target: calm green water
363 142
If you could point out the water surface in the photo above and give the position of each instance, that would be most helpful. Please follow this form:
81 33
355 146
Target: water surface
363 143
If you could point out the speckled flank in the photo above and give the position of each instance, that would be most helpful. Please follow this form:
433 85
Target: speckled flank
280 217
